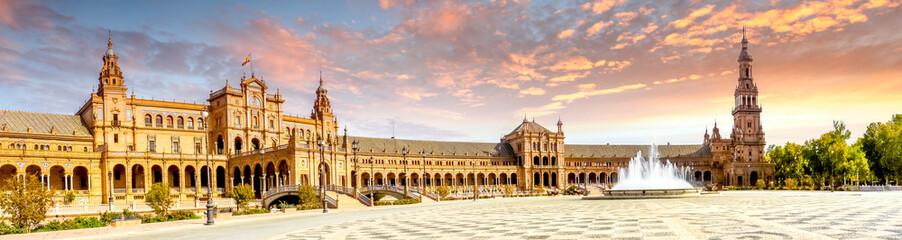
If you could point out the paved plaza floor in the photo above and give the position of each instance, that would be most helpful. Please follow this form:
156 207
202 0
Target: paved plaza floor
730 215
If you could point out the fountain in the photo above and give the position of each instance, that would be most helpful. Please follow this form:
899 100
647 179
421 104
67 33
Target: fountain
650 178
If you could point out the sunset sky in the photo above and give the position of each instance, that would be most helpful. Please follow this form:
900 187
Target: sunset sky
620 72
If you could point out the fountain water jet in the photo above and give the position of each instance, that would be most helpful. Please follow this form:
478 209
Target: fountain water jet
650 178
651 173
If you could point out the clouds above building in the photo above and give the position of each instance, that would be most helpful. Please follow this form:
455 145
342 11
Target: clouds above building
614 71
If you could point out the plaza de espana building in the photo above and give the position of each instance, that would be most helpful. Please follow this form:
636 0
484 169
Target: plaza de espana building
116 146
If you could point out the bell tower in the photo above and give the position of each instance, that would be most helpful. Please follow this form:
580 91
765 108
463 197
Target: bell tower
113 113
748 135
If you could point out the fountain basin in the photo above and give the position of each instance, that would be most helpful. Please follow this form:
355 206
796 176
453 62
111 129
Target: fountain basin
646 194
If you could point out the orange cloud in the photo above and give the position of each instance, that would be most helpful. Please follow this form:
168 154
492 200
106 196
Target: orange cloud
547 109
566 34
596 28
532 91
602 6
586 91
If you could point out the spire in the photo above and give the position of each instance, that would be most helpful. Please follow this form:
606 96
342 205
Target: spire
524 118
744 53
559 121
109 39
320 77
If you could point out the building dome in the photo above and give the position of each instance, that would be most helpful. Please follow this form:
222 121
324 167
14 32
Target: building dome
110 52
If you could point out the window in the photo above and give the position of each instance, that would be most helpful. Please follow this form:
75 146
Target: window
750 124
175 147
200 123
190 123
116 138
197 148
159 121
237 120
181 122
131 148
148 120
169 121
115 119
272 123
152 146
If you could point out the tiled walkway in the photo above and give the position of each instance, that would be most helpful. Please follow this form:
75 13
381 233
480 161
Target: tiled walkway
732 215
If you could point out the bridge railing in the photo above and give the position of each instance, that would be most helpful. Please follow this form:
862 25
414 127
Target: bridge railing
364 199
279 189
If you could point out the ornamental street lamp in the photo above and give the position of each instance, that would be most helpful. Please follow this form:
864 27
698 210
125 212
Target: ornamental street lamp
356 170
475 191
322 178
406 179
423 183
210 220
585 180
372 178
110 177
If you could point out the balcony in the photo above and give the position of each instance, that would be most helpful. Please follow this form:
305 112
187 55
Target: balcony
115 123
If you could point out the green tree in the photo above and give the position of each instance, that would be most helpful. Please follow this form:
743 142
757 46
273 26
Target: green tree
307 195
855 167
443 191
882 145
26 202
828 152
242 194
159 198
789 160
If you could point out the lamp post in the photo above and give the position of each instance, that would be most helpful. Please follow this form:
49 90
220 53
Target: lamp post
210 220
110 177
475 190
406 178
423 183
372 183
356 170
322 178
586 179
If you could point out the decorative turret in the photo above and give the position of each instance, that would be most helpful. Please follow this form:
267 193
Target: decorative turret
110 75
321 106
559 124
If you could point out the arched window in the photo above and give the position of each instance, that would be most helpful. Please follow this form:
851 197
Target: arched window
190 123
180 122
148 120
200 123
237 120
255 122
159 121
169 121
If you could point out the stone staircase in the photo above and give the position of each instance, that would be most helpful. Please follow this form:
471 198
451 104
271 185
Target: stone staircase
345 201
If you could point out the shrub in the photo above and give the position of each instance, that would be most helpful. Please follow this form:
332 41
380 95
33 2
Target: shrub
284 205
26 203
75 223
572 190
508 190
159 199
251 211
11 229
398 202
307 195
69 198
791 183
443 191
760 184
807 182
538 190
242 194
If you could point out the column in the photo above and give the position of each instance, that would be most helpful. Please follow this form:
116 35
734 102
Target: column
128 184
68 182
242 180
263 184
181 183
197 184
212 179
278 179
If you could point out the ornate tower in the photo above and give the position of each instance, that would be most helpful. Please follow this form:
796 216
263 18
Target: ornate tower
748 162
322 113
113 115
748 136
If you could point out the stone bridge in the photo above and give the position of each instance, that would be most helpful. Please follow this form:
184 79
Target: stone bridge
272 195
398 191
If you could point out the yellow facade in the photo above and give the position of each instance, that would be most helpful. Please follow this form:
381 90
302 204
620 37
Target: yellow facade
118 145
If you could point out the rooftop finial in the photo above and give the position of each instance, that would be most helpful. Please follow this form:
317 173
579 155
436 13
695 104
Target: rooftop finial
744 39
109 39
320 77
524 118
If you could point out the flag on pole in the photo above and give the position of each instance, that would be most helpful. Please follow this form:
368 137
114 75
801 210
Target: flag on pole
246 60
